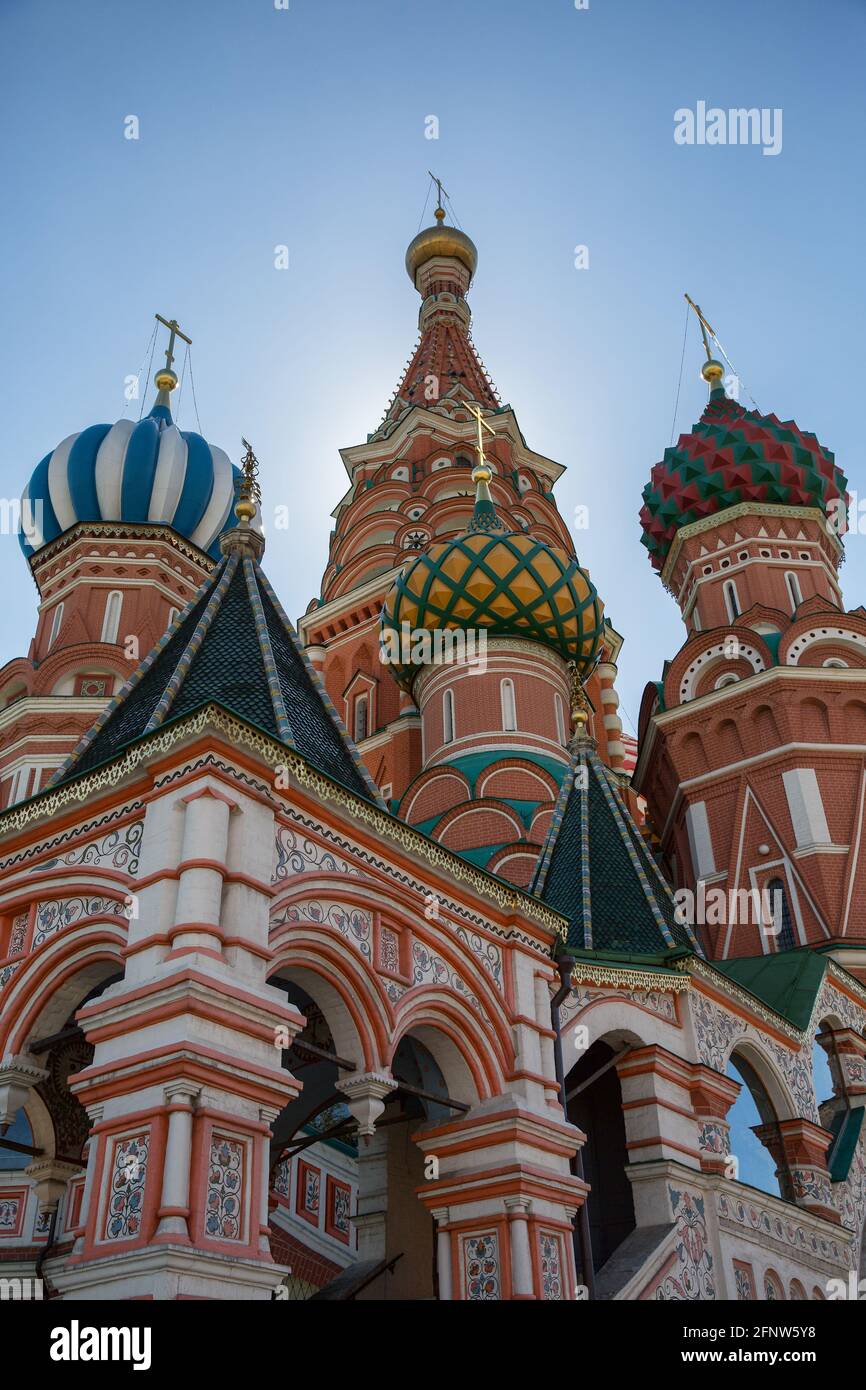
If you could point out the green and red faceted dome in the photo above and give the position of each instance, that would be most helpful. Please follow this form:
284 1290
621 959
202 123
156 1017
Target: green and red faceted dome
511 585
734 455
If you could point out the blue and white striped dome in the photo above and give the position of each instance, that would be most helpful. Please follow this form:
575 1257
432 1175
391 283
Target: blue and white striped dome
145 472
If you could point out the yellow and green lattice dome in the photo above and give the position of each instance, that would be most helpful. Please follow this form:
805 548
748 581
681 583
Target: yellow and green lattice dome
508 583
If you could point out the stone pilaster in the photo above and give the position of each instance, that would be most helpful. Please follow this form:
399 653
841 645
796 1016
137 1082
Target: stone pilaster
799 1150
187 1073
712 1096
505 1182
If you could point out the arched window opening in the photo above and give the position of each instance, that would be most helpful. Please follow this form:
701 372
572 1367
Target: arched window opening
55 625
559 710
362 707
794 592
825 1061
732 600
172 614
19 1132
781 914
509 712
754 1128
111 621
448 717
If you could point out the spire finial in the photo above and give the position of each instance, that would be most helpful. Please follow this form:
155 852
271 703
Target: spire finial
166 377
250 493
712 370
579 706
242 539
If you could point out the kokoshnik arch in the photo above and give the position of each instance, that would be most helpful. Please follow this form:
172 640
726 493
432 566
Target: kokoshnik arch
374 970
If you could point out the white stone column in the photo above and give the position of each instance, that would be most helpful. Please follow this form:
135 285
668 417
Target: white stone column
200 886
607 673
443 1255
518 1209
94 1113
542 1014
174 1201
365 1097
267 1115
371 1218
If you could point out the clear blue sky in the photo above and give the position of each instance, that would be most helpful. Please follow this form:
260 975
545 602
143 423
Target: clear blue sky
306 127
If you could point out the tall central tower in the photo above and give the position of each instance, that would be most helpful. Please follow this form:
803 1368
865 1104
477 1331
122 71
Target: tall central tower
410 488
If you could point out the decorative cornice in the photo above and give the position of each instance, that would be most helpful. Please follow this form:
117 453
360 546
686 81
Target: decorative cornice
633 979
748 1001
451 431
120 531
710 523
274 754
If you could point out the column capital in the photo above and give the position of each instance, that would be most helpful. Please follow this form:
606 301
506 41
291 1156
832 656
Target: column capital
712 1093
519 1207
365 1097
18 1076
181 1090
50 1177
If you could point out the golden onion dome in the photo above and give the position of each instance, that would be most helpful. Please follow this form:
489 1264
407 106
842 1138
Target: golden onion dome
440 241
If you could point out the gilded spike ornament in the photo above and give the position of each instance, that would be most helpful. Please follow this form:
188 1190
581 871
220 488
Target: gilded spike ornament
242 539
579 705
250 495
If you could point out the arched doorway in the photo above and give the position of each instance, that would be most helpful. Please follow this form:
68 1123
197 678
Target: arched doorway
339 1200
594 1098
52 1124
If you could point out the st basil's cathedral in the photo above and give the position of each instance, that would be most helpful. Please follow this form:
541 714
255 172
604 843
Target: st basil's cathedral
337 962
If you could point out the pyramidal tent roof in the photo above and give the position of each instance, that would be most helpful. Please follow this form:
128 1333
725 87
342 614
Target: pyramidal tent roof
233 646
596 870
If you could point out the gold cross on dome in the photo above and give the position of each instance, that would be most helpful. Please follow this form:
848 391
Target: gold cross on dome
439 191
174 330
476 411
704 327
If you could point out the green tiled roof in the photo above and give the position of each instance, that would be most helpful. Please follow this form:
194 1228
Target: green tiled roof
786 981
597 871
845 1129
233 646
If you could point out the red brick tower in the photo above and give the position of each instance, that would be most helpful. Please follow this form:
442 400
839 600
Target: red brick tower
410 488
753 744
